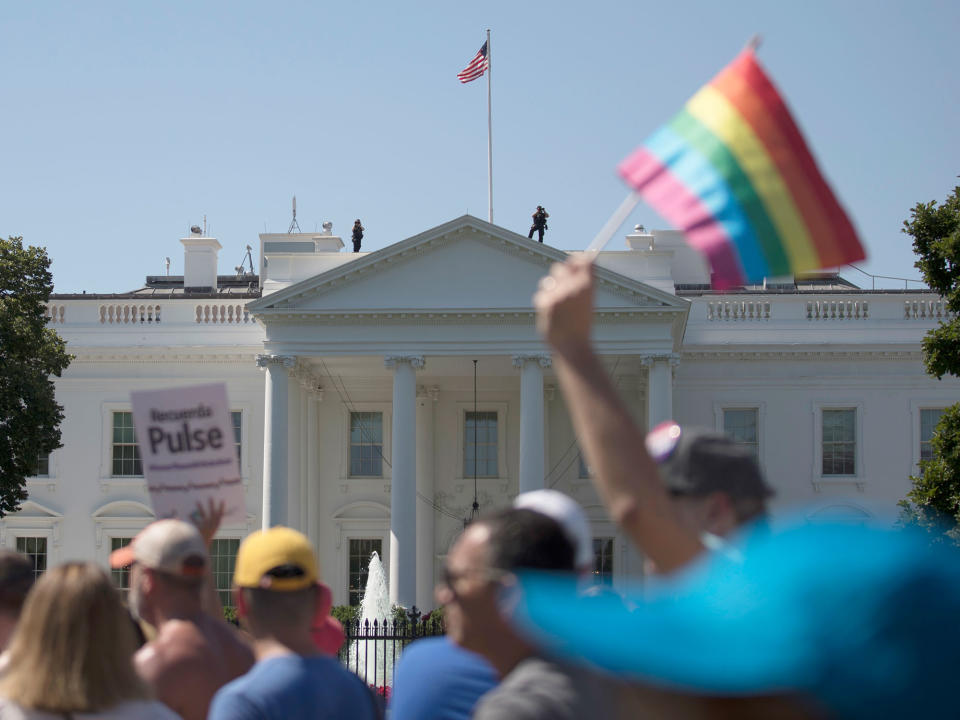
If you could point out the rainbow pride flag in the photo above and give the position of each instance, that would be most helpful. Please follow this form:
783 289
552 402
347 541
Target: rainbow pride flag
732 170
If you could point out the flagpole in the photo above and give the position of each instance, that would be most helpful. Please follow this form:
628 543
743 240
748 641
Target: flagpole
489 135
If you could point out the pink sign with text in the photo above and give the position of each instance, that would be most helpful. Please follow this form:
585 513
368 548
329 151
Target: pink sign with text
188 450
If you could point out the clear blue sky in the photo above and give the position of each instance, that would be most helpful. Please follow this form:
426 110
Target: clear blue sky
124 123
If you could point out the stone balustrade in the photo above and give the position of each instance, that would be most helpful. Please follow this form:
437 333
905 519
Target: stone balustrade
129 314
738 310
223 314
936 309
745 311
838 309
56 314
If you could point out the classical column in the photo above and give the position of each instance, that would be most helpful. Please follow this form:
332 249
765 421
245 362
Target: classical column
275 433
307 384
532 466
314 398
426 544
659 387
295 428
403 482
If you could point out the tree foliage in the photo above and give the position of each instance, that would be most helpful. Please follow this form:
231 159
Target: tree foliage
935 230
30 353
934 500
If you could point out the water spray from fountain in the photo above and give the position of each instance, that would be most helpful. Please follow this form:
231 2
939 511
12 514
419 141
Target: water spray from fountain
373 655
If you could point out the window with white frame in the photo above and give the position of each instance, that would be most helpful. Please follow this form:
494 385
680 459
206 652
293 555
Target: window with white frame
236 419
480 444
838 441
359 566
120 576
223 560
741 425
125 455
35 548
42 467
366 444
603 560
929 417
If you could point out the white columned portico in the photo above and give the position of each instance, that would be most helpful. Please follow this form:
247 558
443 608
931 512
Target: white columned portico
275 435
532 465
426 545
403 483
659 387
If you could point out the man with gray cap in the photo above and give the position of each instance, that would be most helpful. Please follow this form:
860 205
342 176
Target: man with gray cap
667 524
715 485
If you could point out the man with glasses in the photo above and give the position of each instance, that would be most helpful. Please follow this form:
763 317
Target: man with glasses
418 692
475 593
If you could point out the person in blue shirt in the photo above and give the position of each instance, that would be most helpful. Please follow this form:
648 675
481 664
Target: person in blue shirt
276 589
437 680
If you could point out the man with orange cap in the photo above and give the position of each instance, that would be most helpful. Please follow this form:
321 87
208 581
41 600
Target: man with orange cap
193 653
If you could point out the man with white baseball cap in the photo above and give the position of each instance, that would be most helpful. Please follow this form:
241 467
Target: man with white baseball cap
570 516
193 653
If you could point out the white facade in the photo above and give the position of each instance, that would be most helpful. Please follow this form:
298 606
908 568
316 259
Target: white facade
394 333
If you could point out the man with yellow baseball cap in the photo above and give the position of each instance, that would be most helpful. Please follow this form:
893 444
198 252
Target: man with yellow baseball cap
278 593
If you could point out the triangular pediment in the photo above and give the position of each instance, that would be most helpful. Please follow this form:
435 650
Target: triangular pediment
465 264
34 510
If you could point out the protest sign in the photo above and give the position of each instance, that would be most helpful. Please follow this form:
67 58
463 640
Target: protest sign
188 450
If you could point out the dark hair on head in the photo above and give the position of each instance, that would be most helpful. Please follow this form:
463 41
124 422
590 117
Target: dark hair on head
269 610
16 579
521 538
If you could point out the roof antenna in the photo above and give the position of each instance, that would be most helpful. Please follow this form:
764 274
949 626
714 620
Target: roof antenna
205 225
241 269
294 223
166 261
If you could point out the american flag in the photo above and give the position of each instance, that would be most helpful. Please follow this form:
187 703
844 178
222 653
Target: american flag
476 67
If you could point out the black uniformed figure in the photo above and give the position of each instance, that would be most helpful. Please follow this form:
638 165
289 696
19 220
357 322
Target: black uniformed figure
357 235
539 222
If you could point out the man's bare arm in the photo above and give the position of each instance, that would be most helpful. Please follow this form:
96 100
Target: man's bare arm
624 473
208 521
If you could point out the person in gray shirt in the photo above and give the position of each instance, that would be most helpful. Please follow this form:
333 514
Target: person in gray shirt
474 591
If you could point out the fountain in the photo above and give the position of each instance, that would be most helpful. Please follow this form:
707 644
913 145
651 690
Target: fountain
374 658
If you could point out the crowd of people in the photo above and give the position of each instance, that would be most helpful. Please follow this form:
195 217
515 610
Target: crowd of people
740 621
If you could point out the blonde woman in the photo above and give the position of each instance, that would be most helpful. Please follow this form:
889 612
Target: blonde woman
71 654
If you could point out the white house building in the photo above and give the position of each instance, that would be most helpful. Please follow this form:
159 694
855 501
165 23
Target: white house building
351 378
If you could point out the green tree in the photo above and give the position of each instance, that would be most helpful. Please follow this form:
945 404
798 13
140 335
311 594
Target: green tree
934 500
30 353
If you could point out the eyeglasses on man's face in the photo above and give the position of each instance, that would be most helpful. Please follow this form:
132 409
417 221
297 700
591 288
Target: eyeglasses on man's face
449 579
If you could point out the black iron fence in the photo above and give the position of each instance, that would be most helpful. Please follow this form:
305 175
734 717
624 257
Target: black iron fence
372 648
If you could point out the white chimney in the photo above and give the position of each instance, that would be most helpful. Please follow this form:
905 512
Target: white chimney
200 262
